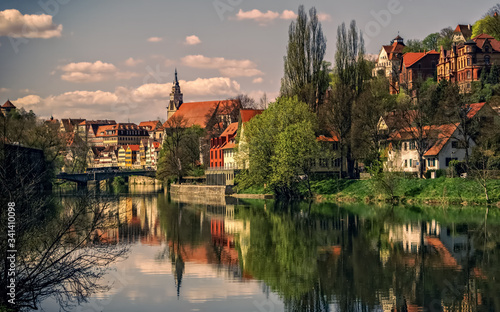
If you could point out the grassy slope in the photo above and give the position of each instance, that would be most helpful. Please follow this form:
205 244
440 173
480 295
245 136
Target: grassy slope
442 189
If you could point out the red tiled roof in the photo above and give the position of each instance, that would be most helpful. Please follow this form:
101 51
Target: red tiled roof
195 113
474 109
444 135
8 104
411 58
156 144
247 114
230 130
153 124
118 126
332 138
134 147
481 39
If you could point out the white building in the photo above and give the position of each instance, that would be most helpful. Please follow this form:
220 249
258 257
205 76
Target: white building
443 146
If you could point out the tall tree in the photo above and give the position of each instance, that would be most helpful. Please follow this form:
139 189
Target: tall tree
350 72
445 38
373 103
305 73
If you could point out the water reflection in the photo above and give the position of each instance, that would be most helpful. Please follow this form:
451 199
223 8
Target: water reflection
263 256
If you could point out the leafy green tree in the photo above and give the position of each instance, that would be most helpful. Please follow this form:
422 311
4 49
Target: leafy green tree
487 25
445 38
413 45
281 143
181 150
431 41
305 72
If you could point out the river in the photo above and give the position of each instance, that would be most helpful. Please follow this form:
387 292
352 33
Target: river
256 255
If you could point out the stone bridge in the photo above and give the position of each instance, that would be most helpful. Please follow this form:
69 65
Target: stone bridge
83 178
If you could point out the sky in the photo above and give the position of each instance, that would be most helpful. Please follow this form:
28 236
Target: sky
115 59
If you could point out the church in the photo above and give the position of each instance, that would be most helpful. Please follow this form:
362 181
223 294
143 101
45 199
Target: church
199 113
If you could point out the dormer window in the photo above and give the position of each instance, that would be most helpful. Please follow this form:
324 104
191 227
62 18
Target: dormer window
487 49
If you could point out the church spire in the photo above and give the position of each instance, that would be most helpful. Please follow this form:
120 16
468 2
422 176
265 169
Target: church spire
176 98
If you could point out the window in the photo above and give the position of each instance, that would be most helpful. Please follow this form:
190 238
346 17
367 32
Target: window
487 49
487 60
406 163
323 163
412 145
468 62
337 162
405 146
468 75
431 162
454 144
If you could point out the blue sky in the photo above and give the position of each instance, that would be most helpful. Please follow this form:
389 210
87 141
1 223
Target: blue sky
115 58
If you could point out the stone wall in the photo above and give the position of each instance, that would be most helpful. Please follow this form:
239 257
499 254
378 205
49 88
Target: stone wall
140 180
199 194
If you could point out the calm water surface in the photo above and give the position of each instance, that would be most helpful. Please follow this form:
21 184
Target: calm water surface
263 256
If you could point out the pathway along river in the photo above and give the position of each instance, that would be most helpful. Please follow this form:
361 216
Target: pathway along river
261 256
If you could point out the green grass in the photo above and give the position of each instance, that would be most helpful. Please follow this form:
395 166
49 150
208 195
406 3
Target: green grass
450 190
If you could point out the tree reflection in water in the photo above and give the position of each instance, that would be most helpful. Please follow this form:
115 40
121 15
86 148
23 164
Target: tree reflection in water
374 257
62 251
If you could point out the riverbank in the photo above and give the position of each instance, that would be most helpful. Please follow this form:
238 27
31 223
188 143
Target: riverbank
425 191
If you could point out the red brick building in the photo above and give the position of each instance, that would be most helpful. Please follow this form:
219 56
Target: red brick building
417 66
464 63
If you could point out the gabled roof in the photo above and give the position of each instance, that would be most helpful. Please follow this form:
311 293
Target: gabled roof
438 134
410 58
8 104
247 114
152 125
445 132
481 39
196 113
465 30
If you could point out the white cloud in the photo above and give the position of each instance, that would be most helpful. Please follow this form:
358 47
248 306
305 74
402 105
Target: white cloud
28 100
257 80
17 25
257 15
133 62
264 18
288 14
83 72
4 90
324 17
227 67
155 39
192 40
142 103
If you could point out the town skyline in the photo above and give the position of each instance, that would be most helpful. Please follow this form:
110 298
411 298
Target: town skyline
121 67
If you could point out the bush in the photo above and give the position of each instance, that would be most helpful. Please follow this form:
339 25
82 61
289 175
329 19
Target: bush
494 163
439 173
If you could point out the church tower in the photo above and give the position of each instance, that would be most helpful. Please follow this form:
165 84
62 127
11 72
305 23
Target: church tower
175 98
